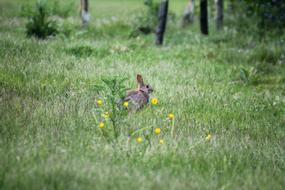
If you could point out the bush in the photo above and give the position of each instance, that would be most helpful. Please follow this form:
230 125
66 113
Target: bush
263 15
40 25
270 13
145 20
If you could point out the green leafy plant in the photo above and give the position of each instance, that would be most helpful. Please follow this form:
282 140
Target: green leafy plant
244 75
110 113
40 24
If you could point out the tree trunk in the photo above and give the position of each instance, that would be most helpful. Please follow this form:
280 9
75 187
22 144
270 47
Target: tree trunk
219 13
85 17
162 19
188 16
204 17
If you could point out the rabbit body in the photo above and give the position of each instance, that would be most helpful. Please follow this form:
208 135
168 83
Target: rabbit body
137 99
140 97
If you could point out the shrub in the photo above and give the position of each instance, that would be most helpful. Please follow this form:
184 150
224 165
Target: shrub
40 25
269 13
262 16
145 20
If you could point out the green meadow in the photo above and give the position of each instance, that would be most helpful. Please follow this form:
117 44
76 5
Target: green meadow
230 85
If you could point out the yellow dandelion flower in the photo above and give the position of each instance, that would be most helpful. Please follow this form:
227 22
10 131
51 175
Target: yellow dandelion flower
209 137
154 101
139 140
106 115
161 141
157 131
126 104
170 116
101 125
99 102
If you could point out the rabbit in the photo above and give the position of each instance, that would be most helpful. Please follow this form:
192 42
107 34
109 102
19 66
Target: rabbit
140 97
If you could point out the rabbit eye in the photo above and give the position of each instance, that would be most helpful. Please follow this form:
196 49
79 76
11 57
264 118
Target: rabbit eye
147 86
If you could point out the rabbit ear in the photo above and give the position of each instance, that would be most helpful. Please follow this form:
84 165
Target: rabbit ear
140 80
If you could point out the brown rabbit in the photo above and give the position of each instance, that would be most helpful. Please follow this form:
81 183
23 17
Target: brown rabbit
140 97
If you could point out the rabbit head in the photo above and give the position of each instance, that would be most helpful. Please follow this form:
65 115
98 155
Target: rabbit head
145 88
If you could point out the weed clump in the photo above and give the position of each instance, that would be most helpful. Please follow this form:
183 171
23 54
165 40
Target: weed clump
110 113
40 24
83 51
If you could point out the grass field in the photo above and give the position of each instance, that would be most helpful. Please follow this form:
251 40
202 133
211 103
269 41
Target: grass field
230 85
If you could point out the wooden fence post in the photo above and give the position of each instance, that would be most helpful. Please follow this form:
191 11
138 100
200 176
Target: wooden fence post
219 13
188 17
162 19
85 17
204 17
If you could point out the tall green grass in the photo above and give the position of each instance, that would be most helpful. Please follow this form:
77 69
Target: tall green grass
230 85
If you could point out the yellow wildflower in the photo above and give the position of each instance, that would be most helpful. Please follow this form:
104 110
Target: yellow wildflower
154 101
126 104
157 131
139 140
101 125
161 141
106 115
99 102
209 137
170 116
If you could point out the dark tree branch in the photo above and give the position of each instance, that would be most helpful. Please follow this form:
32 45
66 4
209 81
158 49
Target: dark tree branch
162 16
